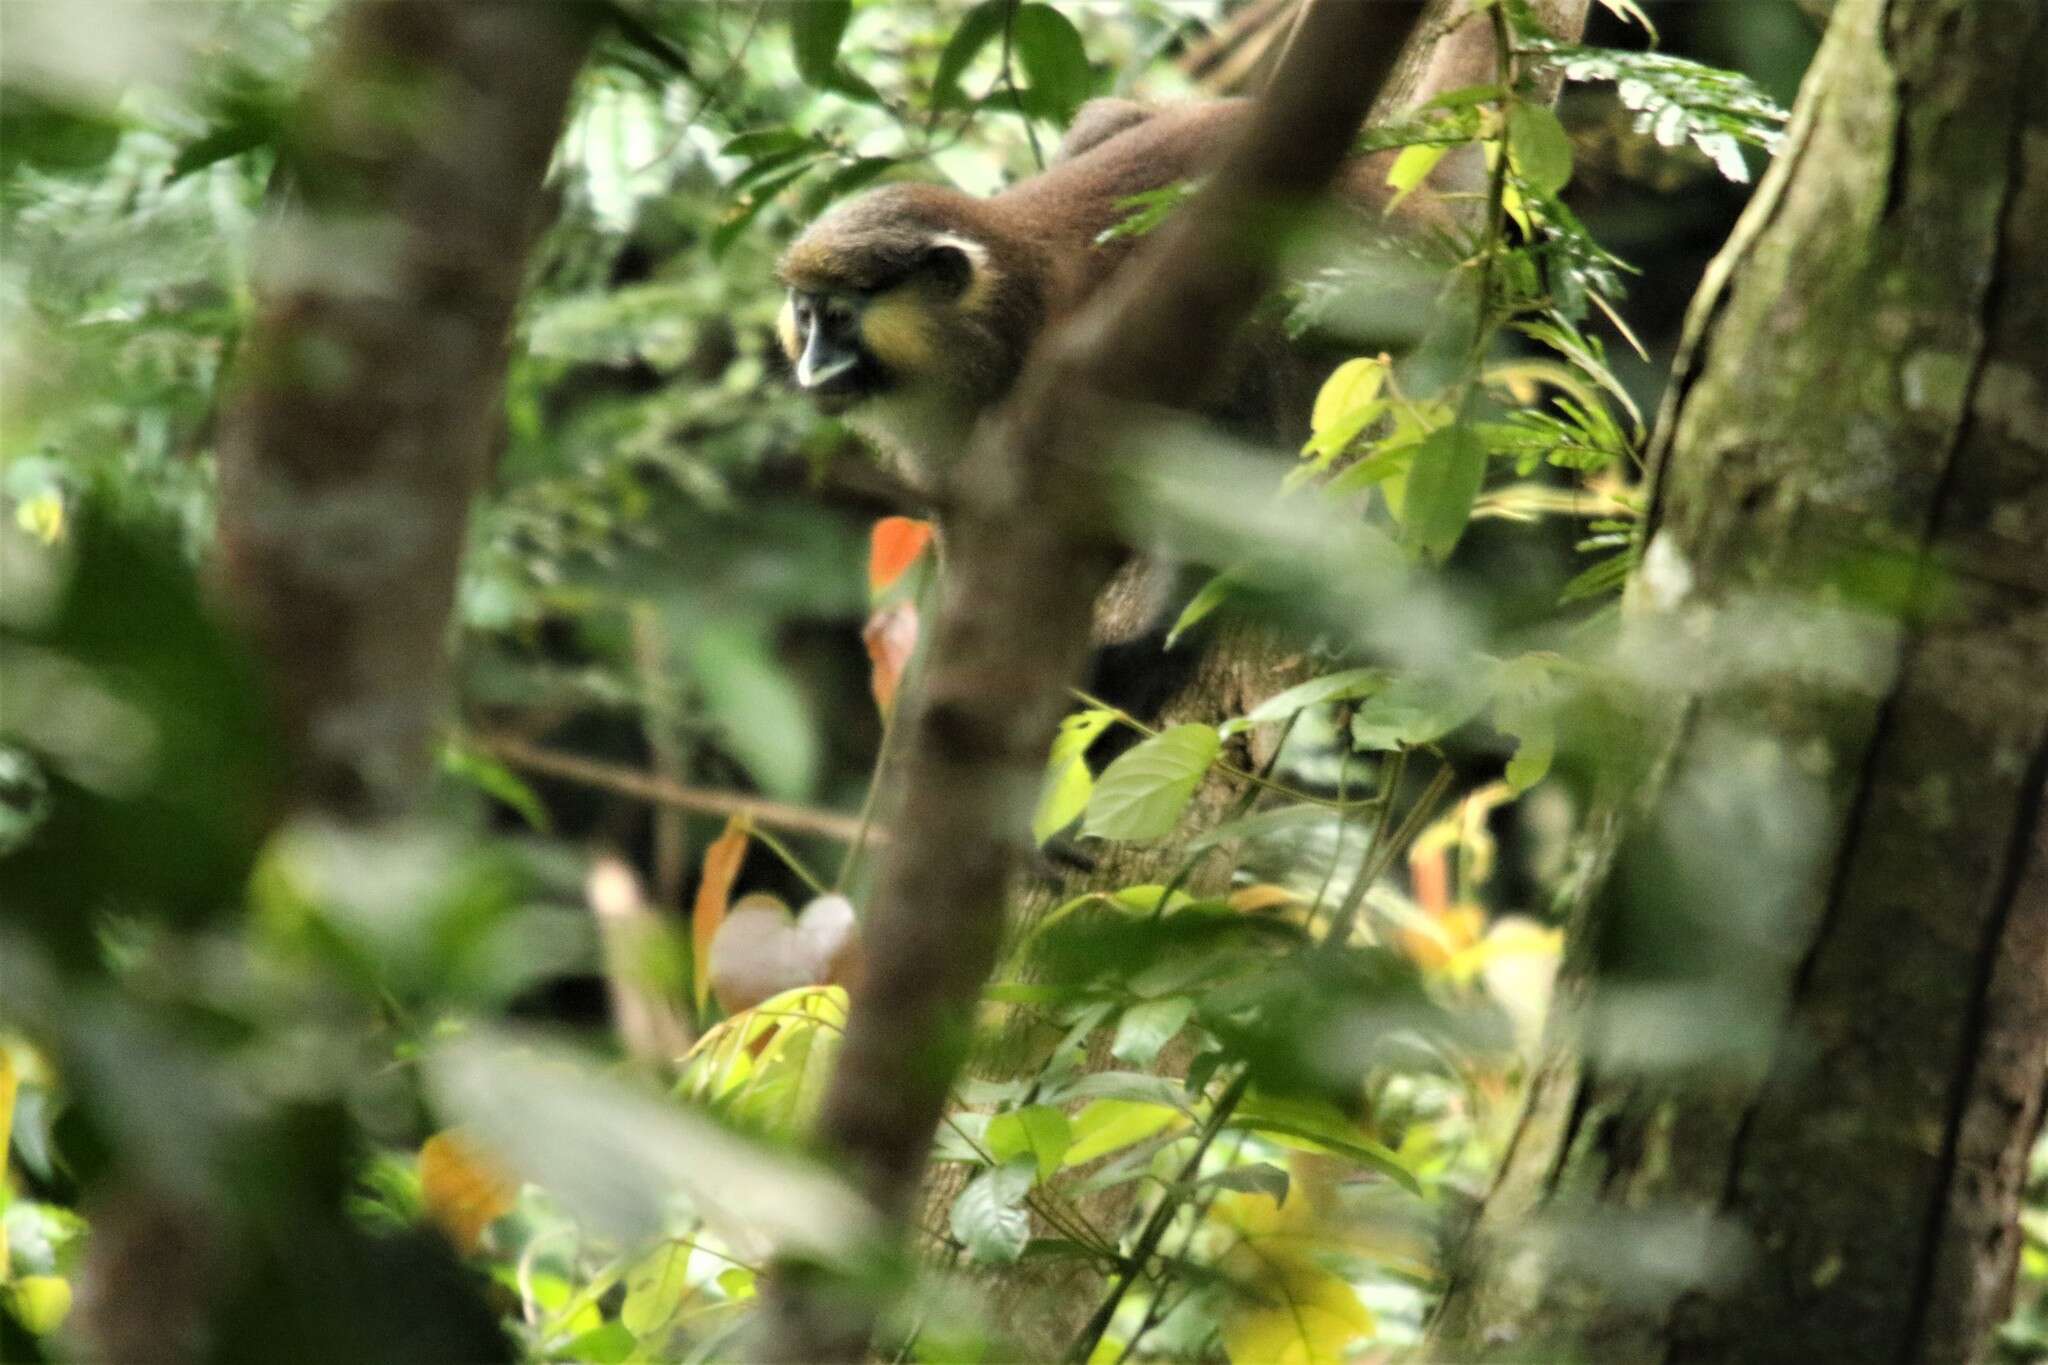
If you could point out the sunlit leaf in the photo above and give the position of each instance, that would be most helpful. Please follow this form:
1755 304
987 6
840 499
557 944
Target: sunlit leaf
1107 1126
1068 783
655 1288
1419 709
1348 685
1410 169
1141 795
1037 1130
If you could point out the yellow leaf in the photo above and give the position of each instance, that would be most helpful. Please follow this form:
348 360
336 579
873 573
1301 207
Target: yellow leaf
1304 1316
463 1188
1290 1311
10 1084
1410 169
42 1302
1107 1126
769 1065
42 516
1263 896
1350 386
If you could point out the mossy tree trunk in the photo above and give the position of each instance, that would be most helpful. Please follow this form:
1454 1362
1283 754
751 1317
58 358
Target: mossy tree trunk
1797 1061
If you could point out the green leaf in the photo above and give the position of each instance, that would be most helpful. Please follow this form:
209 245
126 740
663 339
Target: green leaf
762 718
1211 596
1111 1125
1419 710
1524 708
1257 1177
1410 169
1142 794
1320 1126
815 28
467 763
1037 1130
1068 783
1348 685
1264 825
1147 1028
977 28
1445 478
655 1287
1539 147
764 142
1055 62
1353 385
989 1217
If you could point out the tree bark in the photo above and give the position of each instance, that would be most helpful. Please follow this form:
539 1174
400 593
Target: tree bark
1029 549
1828 898
365 408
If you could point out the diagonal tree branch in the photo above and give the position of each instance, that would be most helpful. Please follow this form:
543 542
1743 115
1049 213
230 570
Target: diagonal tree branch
1027 555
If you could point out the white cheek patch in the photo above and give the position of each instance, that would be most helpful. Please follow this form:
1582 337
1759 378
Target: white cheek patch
809 376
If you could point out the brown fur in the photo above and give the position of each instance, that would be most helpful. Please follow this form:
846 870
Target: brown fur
953 357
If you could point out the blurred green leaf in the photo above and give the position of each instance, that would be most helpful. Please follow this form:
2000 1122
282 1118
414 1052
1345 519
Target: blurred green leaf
976 29
1055 62
1443 482
815 29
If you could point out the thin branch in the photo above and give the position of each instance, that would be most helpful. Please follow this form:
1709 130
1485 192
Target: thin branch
631 782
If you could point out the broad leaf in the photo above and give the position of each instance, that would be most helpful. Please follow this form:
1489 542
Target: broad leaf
1037 1130
1539 147
1143 793
1443 482
1420 710
815 28
989 1216
1055 62
1146 1028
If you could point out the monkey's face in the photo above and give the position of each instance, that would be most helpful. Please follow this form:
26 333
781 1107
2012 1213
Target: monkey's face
877 323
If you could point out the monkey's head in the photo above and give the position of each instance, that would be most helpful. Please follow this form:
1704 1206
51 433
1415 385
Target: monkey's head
910 313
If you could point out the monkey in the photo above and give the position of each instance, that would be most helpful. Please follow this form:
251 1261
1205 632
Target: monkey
911 309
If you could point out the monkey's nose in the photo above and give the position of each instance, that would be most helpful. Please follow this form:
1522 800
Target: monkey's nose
822 363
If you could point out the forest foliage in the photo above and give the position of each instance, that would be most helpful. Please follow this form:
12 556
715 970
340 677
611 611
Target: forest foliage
396 1065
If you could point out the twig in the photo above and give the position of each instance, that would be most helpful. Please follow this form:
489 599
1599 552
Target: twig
631 782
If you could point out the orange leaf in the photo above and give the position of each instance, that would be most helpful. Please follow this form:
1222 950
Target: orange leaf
891 638
1429 869
462 1188
721 866
893 546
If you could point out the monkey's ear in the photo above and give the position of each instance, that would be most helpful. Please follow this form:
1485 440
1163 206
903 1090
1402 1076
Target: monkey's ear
949 264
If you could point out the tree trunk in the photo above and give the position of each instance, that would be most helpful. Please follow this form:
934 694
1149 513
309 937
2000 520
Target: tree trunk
1045 1303
1796 1063
367 400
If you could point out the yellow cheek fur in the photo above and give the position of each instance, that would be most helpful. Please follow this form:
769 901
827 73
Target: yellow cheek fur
785 328
895 333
